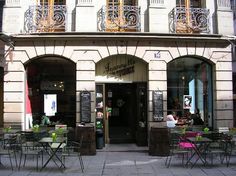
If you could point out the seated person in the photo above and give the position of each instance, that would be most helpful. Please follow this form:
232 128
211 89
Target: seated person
45 120
170 117
197 120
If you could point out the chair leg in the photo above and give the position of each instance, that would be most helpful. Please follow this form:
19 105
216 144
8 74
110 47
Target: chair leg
20 161
42 158
24 160
166 160
15 159
228 160
169 162
183 159
37 163
81 163
222 158
11 162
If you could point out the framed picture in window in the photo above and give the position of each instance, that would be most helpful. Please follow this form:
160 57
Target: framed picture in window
187 101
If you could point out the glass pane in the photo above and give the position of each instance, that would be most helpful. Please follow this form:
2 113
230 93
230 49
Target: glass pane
192 3
122 2
190 77
52 2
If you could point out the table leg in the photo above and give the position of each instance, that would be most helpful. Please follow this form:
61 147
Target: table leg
52 154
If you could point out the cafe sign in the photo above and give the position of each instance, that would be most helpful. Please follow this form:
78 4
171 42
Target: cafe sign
120 69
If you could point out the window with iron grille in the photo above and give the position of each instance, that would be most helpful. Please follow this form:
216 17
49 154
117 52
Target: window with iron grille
52 2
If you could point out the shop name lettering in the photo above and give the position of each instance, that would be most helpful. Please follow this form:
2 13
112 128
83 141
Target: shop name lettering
121 69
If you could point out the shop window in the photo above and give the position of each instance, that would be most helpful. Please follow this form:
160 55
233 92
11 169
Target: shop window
191 79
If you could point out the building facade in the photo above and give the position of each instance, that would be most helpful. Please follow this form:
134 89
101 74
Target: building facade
233 4
125 63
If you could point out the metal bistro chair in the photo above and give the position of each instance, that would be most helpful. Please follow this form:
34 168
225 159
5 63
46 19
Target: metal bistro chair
7 149
184 143
217 147
29 147
231 148
73 148
175 149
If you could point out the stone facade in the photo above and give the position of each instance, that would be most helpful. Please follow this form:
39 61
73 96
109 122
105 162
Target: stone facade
87 53
85 45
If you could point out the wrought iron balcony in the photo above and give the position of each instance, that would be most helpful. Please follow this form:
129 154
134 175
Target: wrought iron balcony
189 20
45 18
119 18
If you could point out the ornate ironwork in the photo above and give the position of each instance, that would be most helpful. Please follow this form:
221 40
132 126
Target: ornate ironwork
45 18
189 20
120 18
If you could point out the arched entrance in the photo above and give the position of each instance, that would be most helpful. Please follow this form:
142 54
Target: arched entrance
51 83
190 79
121 99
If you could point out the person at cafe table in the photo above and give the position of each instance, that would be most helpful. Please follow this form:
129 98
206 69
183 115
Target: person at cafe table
171 116
45 120
197 120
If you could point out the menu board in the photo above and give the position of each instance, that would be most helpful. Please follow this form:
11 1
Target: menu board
157 105
85 106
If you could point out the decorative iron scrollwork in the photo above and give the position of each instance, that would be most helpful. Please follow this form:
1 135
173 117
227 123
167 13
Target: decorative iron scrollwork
45 18
189 20
120 18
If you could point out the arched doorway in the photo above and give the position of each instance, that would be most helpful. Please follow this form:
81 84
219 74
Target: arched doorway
190 78
121 99
51 83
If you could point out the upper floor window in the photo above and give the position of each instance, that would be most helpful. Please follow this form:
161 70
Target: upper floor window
122 2
190 3
189 16
51 2
121 15
46 16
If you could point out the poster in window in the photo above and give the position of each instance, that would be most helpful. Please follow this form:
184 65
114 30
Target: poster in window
187 101
50 104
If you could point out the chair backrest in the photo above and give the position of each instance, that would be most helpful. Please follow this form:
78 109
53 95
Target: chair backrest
62 126
11 141
191 133
174 139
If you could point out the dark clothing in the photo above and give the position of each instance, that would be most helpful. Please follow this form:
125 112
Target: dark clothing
197 120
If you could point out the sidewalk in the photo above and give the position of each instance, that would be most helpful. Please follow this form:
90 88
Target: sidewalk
122 160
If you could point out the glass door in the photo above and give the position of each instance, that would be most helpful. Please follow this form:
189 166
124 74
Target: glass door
101 123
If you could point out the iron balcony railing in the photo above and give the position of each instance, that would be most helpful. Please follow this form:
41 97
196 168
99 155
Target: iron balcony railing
45 18
189 20
120 18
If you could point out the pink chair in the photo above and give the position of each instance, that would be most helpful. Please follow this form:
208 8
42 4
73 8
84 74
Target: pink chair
184 144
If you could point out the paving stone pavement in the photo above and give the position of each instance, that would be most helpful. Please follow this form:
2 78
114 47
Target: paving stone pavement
121 160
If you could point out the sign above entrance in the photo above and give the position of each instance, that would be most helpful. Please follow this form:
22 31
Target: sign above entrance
120 69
